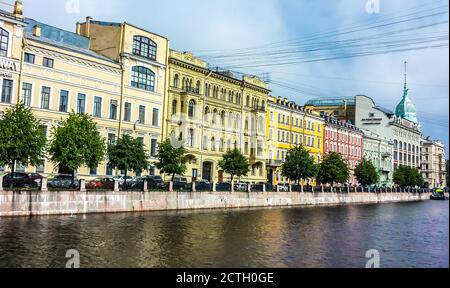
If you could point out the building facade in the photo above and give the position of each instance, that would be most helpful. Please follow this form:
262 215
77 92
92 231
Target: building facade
433 163
379 151
347 140
105 70
210 112
290 125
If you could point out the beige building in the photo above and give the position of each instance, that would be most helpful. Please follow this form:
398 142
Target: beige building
211 112
433 163
114 71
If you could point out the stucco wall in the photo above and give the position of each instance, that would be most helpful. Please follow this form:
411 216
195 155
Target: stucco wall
62 203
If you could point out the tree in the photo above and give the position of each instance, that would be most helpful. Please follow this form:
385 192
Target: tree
76 142
128 154
235 164
22 138
171 160
366 173
299 164
333 169
408 177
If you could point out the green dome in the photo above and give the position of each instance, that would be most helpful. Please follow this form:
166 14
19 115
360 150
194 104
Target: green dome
406 109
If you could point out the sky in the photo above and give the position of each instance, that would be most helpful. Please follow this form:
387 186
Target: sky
204 25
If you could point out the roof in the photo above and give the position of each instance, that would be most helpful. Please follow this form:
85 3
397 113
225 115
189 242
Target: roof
331 102
61 39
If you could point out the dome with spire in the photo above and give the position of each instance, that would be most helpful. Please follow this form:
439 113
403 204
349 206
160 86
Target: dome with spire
406 109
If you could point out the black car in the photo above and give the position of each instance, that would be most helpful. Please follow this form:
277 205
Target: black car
19 180
156 182
63 182
180 183
203 185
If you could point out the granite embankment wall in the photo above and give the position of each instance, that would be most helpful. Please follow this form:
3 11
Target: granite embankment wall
75 202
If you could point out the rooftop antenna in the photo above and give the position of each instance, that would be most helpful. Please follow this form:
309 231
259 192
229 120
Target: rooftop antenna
405 89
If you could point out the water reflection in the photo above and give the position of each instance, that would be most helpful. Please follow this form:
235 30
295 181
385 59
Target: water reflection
407 235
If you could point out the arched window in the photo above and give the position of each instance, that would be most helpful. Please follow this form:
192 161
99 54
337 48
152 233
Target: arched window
237 123
4 42
191 138
144 47
207 112
395 144
197 87
143 78
221 145
228 145
176 80
205 142
214 117
248 101
222 118
191 109
213 144
174 107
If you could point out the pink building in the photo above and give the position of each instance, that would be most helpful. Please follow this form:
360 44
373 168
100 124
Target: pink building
345 139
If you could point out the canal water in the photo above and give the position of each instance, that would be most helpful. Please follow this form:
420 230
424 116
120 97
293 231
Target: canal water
404 234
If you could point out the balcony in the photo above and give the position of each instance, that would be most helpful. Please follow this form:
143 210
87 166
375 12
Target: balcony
259 110
274 163
190 90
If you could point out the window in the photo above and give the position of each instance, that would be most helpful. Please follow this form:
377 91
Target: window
143 46
81 103
174 107
176 81
113 110
190 138
29 58
142 114
4 42
45 97
7 91
111 138
143 78
155 119
26 93
153 147
127 112
109 169
47 62
63 101
191 109
92 171
97 107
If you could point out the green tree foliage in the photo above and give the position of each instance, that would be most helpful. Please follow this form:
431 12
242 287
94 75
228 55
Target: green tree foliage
235 164
408 177
128 154
333 169
76 142
22 137
366 173
171 160
299 165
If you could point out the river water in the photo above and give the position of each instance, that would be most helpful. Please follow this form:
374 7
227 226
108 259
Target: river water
405 235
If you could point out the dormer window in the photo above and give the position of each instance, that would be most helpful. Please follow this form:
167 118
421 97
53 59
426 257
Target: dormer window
144 47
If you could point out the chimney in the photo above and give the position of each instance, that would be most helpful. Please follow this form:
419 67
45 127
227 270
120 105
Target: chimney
88 26
18 9
37 31
78 29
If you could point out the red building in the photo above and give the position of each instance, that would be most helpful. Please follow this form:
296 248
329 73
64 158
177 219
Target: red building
345 139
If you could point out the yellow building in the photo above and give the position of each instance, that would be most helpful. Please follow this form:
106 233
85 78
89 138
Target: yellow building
289 125
210 112
114 71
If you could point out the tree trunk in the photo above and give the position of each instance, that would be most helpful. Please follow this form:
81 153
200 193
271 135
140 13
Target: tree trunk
173 177
73 178
125 182
13 170
232 178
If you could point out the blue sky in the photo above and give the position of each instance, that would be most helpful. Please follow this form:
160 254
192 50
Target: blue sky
196 25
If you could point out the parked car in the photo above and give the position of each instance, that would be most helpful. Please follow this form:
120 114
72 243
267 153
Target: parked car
223 187
203 185
19 180
180 183
156 182
241 186
36 179
63 182
121 179
101 183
